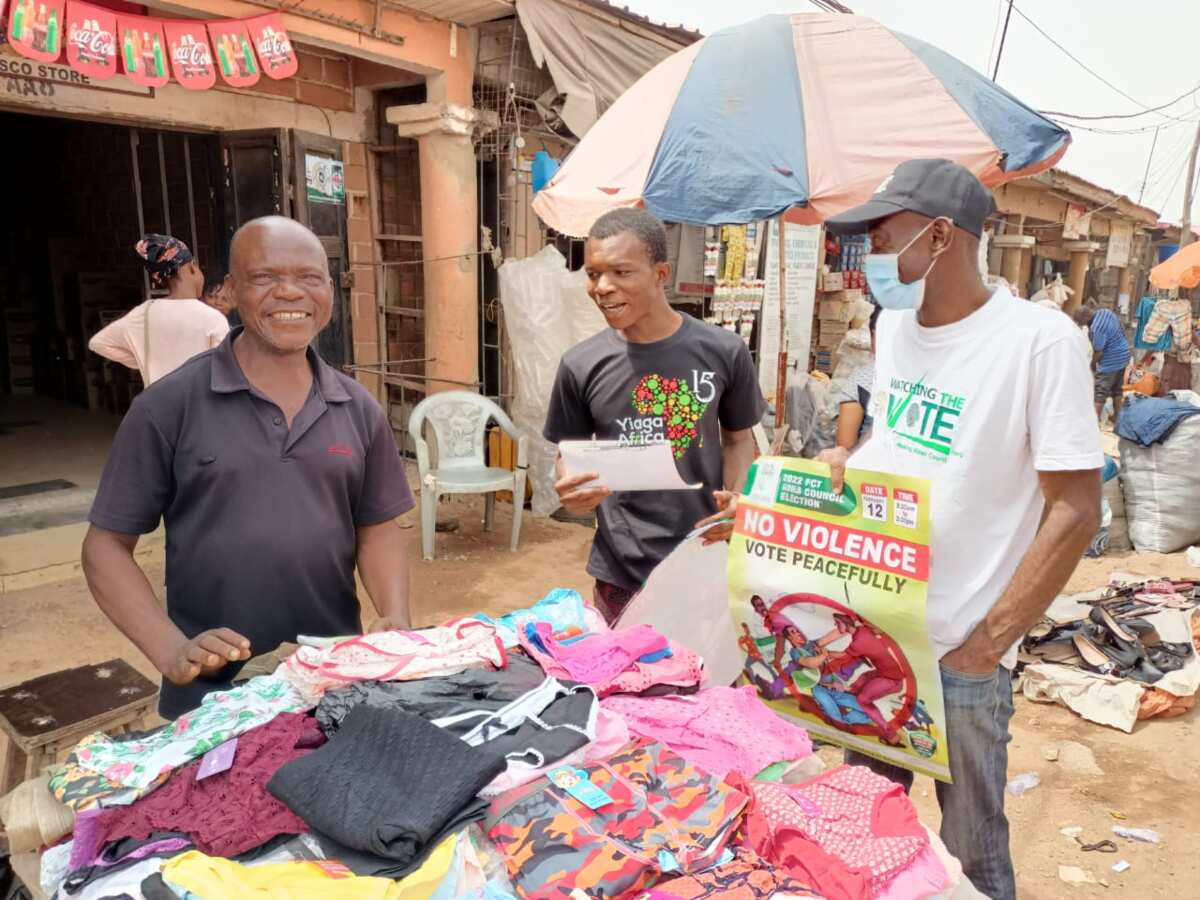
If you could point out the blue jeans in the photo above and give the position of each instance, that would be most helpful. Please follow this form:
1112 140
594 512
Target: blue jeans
974 827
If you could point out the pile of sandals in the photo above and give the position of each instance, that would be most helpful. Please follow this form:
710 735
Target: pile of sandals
1118 638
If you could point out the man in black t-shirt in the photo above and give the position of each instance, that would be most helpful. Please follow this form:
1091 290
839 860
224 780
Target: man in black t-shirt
654 376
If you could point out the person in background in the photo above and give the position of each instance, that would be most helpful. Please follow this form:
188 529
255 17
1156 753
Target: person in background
274 475
159 335
652 376
853 397
987 398
1110 357
216 293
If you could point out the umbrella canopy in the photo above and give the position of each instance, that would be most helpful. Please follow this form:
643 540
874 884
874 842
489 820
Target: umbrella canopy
808 110
1181 269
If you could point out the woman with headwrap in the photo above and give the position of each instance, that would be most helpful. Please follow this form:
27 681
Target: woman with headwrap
158 336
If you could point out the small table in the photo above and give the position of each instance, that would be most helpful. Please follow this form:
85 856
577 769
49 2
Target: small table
46 716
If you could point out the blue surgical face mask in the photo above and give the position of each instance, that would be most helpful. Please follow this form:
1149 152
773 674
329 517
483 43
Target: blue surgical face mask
883 277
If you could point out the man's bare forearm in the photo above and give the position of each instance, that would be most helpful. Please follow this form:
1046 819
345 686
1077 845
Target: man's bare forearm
737 453
124 594
383 565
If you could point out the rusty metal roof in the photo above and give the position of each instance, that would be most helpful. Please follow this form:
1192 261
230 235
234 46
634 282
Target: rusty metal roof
464 12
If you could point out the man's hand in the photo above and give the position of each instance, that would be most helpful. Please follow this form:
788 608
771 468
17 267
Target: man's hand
389 623
727 502
972 657
578 500
836 458
205 654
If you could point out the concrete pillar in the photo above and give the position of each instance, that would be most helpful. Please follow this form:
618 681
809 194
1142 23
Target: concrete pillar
1081 254
450 236
1017 258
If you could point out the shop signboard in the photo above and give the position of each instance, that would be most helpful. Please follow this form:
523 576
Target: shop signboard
1120 242
827 595
191 57
325 179
91 39
235 56
1076 222
143 50
25 78
35 28
274 48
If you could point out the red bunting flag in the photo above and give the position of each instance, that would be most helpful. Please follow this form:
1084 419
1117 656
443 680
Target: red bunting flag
143 50
191 57
91 39
35 28
235 57
273 45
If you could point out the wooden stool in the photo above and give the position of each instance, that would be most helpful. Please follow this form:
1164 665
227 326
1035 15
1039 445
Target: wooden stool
46 716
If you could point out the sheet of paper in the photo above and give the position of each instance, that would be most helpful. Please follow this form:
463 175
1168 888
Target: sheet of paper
625 467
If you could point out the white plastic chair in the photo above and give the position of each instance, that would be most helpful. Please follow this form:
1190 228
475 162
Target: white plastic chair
459 420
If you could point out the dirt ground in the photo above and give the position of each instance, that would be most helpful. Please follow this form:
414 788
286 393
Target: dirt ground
1150 778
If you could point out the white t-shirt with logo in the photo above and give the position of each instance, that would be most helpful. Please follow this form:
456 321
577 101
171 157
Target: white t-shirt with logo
978 408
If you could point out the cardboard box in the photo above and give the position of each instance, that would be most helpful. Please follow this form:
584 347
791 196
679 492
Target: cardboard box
849 295
832 281
835 311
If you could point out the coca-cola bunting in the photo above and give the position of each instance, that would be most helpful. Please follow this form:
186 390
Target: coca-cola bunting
91 39
191 57
143 50
274 47
35 28
236 60
100 43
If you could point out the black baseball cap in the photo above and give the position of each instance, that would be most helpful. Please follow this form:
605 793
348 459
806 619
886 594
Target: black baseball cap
937 188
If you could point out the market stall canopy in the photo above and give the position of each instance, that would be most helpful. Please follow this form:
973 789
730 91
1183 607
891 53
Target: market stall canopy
1182 269
809 110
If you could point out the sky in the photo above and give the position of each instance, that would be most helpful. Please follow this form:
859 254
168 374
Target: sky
1148 50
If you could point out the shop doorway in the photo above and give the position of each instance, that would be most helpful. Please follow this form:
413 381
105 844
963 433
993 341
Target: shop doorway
78 196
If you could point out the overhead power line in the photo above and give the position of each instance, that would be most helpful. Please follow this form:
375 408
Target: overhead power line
1144 112
1085 66
1003 35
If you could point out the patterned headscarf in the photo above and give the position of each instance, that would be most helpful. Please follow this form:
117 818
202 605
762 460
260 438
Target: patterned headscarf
164 256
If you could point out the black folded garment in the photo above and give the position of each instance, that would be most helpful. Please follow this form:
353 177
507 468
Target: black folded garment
388 783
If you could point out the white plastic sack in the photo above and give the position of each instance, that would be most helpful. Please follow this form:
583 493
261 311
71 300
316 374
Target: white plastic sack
546 312
1161 484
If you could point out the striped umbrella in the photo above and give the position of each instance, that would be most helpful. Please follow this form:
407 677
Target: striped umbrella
808 111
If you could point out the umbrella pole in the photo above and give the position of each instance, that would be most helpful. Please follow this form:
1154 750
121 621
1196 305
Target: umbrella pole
781 374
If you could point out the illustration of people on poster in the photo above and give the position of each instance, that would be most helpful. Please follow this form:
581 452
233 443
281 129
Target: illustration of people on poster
827 594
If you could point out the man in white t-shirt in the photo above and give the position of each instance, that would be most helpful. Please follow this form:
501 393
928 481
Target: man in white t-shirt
988 398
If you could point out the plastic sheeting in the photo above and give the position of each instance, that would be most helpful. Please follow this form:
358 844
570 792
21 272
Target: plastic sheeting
546 312
1160 484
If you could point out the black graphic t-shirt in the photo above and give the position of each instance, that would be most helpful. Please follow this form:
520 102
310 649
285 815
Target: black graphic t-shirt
681 390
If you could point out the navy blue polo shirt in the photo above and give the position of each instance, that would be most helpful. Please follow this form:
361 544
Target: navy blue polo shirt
260 519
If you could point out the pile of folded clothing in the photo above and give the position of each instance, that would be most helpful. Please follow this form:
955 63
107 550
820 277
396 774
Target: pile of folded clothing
541 756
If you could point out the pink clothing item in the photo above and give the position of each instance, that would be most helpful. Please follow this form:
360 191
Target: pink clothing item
720 729
394 656
924 877
611 736
178 330
682 668
225 814
851 814
601 656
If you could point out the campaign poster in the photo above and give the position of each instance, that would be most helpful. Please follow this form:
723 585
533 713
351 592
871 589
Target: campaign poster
827 596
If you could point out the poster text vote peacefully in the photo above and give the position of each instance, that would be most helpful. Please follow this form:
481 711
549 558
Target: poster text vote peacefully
827 594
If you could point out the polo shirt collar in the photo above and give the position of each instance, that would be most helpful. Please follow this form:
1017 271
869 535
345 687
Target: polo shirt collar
228 378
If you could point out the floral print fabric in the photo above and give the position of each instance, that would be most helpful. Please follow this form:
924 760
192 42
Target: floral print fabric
138 764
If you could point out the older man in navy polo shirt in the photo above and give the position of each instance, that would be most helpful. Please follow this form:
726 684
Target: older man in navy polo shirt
274 475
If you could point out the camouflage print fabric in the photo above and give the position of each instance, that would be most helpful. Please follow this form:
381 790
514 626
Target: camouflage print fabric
663 808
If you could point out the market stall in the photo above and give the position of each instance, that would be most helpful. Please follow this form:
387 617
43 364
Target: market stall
538 755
